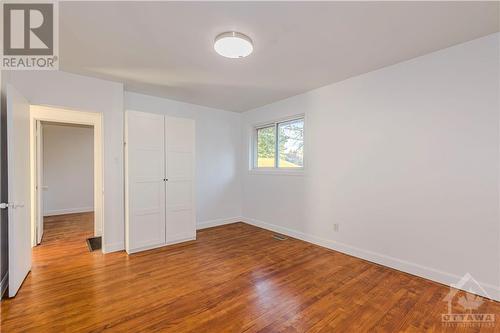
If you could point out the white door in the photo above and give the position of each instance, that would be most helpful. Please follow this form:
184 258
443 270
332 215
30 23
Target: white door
180 149
39 188
18 150
145 169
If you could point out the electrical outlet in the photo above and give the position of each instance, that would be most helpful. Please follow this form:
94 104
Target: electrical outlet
336 227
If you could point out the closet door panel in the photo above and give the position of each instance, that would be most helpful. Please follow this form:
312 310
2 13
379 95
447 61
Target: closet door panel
182 229
179 195
145 154
180 203
180 164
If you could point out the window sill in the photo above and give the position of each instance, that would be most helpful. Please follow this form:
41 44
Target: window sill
277 172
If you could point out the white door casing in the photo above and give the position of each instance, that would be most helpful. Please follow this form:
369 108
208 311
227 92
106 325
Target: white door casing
39 190
18 150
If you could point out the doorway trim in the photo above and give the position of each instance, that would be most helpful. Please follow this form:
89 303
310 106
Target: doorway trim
62 115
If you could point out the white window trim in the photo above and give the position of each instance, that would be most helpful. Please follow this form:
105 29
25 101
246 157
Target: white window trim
275 170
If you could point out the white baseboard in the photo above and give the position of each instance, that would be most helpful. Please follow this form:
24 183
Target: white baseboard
208 224
401 265
144 248
113 247
215 223
179 240
68 211
3 284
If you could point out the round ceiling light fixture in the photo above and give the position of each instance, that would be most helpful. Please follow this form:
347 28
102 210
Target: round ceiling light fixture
233 44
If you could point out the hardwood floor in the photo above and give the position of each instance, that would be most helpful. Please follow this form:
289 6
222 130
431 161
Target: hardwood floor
64 231
233 278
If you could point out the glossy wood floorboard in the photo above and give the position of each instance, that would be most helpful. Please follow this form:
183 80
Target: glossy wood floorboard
233 278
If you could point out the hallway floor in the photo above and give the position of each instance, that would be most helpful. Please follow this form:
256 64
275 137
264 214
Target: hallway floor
66 229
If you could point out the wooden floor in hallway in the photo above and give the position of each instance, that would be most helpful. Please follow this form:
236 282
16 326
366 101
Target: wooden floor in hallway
233 278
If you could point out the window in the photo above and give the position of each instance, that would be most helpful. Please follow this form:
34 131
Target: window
280 145
266 147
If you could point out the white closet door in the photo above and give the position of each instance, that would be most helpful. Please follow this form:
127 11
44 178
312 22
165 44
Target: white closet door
180 143
145 149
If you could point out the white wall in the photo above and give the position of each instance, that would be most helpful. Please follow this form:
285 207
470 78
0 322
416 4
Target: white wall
218 143
405 159
67 90
68 169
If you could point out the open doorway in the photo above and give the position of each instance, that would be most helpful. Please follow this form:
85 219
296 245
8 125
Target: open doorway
66 165
65 172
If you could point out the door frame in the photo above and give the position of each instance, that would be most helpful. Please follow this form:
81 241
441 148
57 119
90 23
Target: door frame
38 212
68 116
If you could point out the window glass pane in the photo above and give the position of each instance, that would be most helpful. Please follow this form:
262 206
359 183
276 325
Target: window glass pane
266 147
291 144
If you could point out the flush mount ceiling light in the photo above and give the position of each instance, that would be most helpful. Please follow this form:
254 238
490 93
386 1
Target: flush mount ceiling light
233 44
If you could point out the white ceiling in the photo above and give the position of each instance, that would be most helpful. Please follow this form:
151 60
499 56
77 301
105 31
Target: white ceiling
166 48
